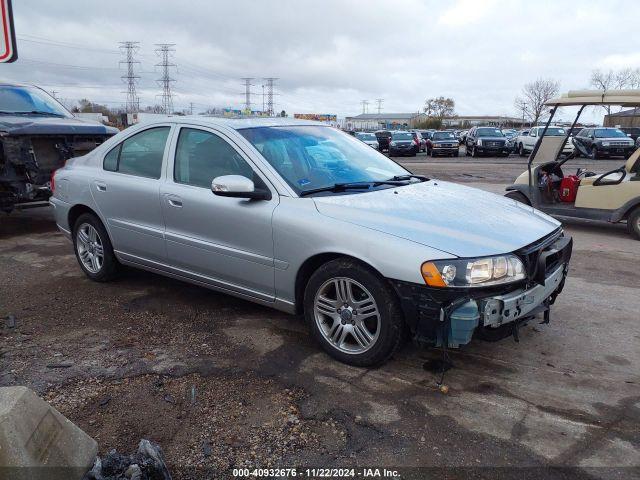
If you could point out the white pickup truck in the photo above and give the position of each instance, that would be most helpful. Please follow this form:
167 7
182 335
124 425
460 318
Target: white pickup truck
528 139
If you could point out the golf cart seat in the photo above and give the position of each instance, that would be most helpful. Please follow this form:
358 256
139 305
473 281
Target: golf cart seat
632 163
629 167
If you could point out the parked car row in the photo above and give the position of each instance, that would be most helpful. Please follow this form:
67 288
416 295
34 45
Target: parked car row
484 140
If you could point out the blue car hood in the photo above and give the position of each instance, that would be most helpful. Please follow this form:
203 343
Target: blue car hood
459 220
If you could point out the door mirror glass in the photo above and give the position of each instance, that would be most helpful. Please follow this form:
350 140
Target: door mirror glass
238 186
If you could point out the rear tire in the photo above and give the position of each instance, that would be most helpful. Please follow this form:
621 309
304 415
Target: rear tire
518 196
93 249
334 319
633 223
474 152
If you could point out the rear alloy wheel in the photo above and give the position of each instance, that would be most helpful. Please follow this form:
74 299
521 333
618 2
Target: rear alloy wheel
93 249
633 223
518 196
353 313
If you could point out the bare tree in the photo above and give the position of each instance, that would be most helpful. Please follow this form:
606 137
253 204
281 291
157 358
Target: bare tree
619 80
534 97
440 107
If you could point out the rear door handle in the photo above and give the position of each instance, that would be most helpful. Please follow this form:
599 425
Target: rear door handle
174 201
101 186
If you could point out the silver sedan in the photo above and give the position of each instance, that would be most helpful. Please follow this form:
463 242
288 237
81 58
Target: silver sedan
307 219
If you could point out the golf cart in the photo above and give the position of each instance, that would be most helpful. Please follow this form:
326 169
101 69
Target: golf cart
612 196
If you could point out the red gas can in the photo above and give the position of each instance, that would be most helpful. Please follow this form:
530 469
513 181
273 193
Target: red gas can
569 188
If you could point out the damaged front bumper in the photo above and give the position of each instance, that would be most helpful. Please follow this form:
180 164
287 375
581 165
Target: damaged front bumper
438 316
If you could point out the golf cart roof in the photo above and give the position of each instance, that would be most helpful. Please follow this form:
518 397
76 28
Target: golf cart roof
628 98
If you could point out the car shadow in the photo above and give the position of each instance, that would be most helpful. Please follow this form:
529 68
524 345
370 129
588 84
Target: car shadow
27 222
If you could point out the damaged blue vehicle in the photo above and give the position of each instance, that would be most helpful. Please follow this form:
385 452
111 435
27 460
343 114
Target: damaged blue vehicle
37 135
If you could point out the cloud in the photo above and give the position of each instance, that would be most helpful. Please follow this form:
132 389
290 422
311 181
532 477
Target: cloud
328 55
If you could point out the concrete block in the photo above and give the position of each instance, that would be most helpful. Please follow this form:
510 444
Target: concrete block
38 442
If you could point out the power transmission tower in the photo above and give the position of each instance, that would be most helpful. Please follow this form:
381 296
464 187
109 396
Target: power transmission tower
129 49
379 102
165 51
190 108
247 93
263 97
270 94
365 106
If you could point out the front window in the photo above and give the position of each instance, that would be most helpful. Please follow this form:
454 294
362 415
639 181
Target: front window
609 133
311 157
24 100
489 132
444 136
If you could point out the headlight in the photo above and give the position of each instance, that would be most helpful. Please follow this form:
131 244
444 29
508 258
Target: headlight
479 141
606 144
393 144
473 272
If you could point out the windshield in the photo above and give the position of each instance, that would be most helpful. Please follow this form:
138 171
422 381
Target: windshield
311 157
554 132
489 132
444 136
29 99
609 133
366 136
402 136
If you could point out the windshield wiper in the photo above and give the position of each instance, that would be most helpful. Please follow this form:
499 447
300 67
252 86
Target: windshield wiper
399 178
341 187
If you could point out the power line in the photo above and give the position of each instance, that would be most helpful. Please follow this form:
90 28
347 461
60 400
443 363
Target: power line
379 102
131 79
165 50
247 93
270 94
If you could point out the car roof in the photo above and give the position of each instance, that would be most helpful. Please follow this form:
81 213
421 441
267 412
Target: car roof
238 123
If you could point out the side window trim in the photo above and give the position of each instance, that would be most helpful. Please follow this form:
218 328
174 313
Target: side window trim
171 164
168 146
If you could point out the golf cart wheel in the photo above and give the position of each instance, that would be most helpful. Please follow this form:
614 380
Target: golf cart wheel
633 223
353 313
518 197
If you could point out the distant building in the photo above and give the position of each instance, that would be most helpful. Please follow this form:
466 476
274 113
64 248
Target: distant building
626 118
467 121
96 117
393 121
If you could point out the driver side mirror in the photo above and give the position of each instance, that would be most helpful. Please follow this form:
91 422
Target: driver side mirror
237 186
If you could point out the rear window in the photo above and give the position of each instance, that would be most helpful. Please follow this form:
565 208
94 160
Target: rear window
140 155
403 136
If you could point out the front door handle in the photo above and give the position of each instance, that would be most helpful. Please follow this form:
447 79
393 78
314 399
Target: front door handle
102 187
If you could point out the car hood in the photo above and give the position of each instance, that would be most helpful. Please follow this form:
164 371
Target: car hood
41 125
459 220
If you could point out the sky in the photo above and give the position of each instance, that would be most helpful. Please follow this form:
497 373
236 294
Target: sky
328 55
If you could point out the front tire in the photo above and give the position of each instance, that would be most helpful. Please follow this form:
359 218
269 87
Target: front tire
633 223
353 313
93 249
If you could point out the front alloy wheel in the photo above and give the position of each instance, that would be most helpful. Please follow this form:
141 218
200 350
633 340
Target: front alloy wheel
347 315
353 313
